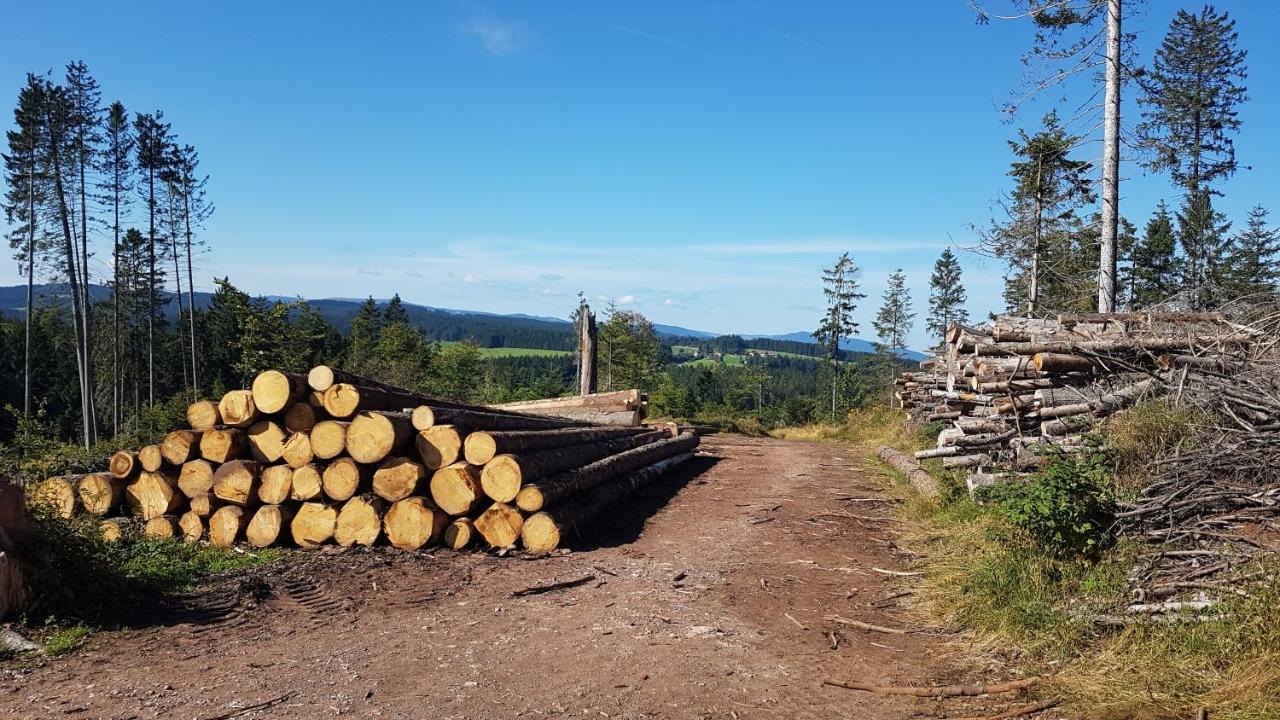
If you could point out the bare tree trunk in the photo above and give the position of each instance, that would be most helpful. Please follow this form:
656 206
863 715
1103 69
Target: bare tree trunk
73 276
1110 164
177 278
117 382
86 303
191 291
151 287
1033 292
31 272
587 352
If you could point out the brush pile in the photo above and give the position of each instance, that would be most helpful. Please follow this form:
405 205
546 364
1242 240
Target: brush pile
1022 390
331 457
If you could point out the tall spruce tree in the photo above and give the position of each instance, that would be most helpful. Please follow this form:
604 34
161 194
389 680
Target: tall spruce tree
840 287
1253 262
196 209
892 322
1190 98
23 199
947 296
1040 217
1202 233
153 143
1156 268
116 190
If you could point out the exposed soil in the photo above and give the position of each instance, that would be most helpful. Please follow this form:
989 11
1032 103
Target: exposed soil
705 600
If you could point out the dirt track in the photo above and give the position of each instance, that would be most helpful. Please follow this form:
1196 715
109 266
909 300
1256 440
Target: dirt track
685 616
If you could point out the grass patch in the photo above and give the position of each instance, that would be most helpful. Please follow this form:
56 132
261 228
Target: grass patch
65 640
877 425
1145 432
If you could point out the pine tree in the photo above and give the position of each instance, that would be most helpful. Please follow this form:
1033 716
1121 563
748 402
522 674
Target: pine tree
947 296
1036 234
840 286
629 349
394 312
24 179
1190 99
1253 262
1156 269
85 135
196 209
894 322
153 143
116 189
1202 232
365 329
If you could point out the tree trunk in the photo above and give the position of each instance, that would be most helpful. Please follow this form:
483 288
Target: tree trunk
191 291
397 478
587 353
360 521
544 531
373 436
536 496
313 524
1110 163
504 475
343 478
480 447
413 522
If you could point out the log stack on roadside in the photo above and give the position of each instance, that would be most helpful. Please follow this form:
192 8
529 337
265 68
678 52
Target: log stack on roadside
331 457
1015 392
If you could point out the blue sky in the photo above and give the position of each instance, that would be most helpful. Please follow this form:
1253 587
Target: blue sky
699 162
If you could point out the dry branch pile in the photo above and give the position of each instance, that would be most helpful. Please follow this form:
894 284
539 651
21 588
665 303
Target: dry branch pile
331 457
1022 386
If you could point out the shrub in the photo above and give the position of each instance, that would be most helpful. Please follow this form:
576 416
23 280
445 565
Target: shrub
1068 510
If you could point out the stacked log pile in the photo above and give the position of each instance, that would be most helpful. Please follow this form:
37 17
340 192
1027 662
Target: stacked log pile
1019 390
622 407
331 457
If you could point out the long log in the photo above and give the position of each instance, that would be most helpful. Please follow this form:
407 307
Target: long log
922 481
236 482
360 521
425 416
544 531
610 418
329 438
153 494
369 394
536 496
482 446
180 446
1063 363
396 478
616 400
504 475
238 409
275 390
1130 344
219 445
203 415
268 524
313 524
343 478
413 522
100 493
499 525
373 436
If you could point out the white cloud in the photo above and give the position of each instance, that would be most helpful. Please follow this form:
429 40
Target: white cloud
499 37
369 271
628 300
551 277
470 280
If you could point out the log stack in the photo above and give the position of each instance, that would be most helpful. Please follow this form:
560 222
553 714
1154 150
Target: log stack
331 457
1017 391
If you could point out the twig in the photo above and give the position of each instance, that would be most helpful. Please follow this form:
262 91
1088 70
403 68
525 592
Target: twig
864 626
539 589
257 706
897 573
1019 710
799 624
939 690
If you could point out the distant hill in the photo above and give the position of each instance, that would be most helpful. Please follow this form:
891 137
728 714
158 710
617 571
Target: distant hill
488 329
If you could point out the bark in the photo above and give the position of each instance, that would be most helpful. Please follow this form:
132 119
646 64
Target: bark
481 446
536 496
504 475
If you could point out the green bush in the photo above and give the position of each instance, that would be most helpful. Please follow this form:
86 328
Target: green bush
1068 510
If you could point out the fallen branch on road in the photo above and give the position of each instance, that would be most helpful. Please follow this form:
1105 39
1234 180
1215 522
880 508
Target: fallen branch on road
939 690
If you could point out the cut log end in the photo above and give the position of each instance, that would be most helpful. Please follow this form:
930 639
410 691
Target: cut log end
180 446
100 493
191 525
195 478
238 409
300 417
459 533
342 400
499 525
151 457
313 524
307 483
56 495
329 439
297 450
343 478
236 482
227 525
456 488
439 445
372 436
423 417
397 478
153 494
501 478
164 527
266 441
275 484
267 525
123 464
530 498
320 378
540 533
274 390
480 448
203 415
413 522
360 521
222 444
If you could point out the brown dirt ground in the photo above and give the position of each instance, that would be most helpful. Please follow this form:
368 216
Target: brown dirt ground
707 599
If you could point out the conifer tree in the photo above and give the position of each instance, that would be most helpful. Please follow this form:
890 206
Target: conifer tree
1156 269
153 143
895 317
1202 233
1190 99
947 296
22 202
116 189
1253 262
840 286
365 329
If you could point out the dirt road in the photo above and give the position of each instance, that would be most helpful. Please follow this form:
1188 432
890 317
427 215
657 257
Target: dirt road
707 600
